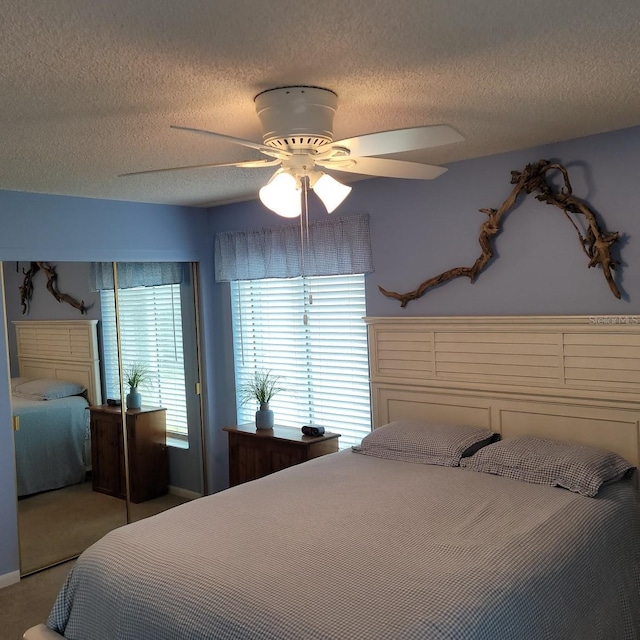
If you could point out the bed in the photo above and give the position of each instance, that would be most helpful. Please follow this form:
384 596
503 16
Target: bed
58 379
392 542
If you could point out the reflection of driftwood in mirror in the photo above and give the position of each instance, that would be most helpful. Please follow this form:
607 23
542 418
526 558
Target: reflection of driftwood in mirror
596 243
26 290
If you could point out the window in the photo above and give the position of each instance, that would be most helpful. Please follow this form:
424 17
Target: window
151 333
310 331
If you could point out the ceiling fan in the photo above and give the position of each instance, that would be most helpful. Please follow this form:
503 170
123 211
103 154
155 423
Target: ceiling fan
298 139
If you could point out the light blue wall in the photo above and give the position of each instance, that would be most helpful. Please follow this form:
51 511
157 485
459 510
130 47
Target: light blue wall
59 228
418 229
9 558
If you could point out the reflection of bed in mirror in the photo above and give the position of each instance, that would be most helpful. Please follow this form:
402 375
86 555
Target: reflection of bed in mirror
398 547
59 378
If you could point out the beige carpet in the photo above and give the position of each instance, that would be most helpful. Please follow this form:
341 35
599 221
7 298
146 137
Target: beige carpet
57 525
28 602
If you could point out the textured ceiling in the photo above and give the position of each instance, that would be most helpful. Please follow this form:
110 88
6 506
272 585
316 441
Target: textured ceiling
88 88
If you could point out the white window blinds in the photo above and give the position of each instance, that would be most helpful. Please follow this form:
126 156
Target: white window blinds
151 333
310 330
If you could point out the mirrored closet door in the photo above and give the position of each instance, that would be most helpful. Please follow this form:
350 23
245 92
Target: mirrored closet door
155 337
55 377
152 455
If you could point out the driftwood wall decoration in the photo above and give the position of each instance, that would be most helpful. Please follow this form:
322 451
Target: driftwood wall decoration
596 243
26 289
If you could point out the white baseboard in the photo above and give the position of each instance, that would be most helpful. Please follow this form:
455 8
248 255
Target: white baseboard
8 579
184 493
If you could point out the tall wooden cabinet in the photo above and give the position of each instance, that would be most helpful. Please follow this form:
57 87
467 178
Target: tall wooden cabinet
147 448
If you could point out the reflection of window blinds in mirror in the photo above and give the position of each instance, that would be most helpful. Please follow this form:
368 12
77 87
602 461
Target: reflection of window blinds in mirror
151 332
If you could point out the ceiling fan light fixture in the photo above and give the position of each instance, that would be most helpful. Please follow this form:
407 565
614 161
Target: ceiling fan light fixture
282 195
329 190
297 124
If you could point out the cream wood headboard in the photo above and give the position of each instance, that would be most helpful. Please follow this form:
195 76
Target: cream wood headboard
61 349
572 378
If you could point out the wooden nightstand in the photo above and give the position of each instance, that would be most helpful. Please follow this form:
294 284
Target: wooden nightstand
147 446
254 453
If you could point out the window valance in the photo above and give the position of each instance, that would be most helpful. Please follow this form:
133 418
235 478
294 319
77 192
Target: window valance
134 274
337 246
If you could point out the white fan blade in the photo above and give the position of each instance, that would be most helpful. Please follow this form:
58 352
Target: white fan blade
397 140
249 164
263 148
385 168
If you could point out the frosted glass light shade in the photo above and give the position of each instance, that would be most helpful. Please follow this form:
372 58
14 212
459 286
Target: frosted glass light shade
331 192
282 195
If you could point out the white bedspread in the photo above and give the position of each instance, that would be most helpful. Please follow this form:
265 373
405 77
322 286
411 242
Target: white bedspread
352 547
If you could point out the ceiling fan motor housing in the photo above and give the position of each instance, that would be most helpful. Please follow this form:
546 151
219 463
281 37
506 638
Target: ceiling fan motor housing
296 117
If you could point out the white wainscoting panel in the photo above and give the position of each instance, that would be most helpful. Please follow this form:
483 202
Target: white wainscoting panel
572 378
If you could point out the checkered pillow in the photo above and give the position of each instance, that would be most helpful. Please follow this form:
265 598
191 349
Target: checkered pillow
579 468
425 443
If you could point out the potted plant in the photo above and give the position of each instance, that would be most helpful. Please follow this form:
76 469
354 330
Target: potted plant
135 375
262 388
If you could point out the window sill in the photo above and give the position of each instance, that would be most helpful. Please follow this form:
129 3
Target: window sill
177 442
